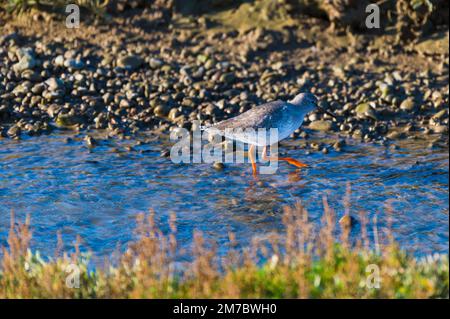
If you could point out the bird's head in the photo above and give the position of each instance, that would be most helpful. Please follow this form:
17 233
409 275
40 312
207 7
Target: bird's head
308 102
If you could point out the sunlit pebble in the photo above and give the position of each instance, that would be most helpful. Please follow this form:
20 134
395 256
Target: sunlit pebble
165 153
218 166
90 141
347 221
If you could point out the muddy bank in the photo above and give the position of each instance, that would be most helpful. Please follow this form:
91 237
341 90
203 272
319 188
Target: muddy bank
127 77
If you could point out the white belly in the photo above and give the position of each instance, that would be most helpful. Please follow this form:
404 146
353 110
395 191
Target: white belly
257 137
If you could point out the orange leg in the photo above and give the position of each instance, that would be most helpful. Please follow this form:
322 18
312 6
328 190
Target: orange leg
251 156
290 160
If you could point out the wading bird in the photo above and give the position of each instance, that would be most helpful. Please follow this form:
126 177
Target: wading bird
284 116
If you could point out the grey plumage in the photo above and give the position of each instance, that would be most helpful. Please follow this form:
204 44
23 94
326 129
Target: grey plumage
263 116
286 117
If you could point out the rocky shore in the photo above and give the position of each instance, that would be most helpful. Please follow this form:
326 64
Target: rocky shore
124 79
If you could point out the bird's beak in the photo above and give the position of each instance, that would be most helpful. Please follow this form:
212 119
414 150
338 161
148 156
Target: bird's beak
325 111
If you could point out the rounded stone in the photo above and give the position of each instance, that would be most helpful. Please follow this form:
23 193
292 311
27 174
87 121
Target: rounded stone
408 104
218 166
321 125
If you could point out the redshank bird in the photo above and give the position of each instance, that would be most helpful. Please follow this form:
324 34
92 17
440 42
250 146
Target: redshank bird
284 116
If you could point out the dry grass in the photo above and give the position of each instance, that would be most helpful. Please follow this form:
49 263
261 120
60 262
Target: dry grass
303 262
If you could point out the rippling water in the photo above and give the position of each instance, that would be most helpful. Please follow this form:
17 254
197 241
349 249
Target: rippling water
98 193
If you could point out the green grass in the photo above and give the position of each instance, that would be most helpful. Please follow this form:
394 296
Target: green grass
300 263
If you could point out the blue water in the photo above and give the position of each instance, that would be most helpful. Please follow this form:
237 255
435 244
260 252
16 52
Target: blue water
97 193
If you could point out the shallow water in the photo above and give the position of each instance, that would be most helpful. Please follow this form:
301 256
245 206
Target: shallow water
97 193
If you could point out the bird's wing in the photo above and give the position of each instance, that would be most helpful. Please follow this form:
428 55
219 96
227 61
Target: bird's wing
262 116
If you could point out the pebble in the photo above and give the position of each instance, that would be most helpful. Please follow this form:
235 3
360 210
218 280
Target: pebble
165 153
440 129
408 104
155 63
321 125
347 221
68 120
73 64
130 62
441 114
90 141
26 60
227 78
54 84
59 60
365 111
218 166
13 131
162 110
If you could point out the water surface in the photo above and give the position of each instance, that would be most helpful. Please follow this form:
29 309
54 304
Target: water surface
97 193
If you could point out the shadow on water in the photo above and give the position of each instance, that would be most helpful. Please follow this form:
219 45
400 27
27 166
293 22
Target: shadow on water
97 193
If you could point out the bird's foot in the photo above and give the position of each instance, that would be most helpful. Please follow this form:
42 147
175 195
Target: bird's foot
292 161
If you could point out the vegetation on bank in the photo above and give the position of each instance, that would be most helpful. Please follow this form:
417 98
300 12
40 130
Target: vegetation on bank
411 18
21 6
304 262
